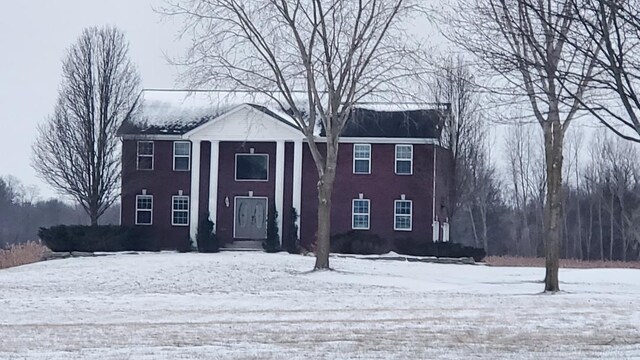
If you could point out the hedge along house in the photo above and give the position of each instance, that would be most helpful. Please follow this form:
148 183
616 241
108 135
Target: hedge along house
185 157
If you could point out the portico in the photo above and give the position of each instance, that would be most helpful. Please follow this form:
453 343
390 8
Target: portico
240 147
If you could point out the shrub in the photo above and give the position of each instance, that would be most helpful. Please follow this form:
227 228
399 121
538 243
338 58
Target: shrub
207 239
439 249
293 242
108 238
358 242
272 243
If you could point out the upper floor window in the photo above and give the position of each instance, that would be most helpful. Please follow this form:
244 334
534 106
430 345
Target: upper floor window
252 167
402 215
362 158
181 155
404 159
180 210
145 155
144 209
360 214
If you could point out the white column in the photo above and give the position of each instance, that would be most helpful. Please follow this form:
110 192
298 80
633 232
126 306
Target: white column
213 182
195 190
297 179
279 192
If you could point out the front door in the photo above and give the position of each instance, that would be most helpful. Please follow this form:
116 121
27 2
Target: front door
250 218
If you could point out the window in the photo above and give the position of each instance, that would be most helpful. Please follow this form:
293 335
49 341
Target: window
180 210
360 214
402 215
181 155
145 155
252 167
144 209
404 159
361 158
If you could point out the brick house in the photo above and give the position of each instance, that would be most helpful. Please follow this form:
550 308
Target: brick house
233 161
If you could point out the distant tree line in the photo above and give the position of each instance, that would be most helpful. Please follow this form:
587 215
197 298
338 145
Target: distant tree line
22 213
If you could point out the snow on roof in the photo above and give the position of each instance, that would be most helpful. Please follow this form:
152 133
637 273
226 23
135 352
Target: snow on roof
169 111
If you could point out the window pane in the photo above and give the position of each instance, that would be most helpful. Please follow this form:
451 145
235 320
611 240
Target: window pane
180 217
181 163
361 167
251 167
181 148
144 203
361 151
360 221
145 148
361 207
403 152
403 208
145 162
403 222
180 203
143 217
403 167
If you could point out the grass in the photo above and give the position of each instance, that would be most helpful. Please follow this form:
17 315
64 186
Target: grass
22 254
564 263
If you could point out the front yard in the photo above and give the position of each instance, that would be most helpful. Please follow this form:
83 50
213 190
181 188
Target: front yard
252 305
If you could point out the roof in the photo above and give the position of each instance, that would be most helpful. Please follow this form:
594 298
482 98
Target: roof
419 123
176 112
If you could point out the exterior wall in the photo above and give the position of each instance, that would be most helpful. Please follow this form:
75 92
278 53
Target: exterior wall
162 182
382 186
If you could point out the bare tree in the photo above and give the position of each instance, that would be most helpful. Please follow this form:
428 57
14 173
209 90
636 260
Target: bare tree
77 150
332 54
613 26
522 42
453 83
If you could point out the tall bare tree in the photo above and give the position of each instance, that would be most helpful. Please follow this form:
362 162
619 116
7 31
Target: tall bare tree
613 26
523 43
77 150
314 58
453 83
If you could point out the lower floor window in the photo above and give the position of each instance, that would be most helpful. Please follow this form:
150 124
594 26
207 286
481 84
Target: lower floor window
402 215
180 210
144 209
360 214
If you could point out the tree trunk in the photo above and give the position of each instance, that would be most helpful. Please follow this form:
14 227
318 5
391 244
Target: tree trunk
93 214
553 137
611 235
325 190
601 227
473 227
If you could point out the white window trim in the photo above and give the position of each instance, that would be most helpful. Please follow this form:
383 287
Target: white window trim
410 160
353 214
149 210
173 209
188 156
235 169
152 156
395 215
368 160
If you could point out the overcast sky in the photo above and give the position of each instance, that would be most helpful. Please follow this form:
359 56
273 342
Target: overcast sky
34 35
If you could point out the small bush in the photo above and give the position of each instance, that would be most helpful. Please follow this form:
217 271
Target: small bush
272 243
357 242
207 239
293 242
108 238
22 254
440 249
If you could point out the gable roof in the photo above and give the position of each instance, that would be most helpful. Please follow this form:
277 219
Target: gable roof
175 112
418 123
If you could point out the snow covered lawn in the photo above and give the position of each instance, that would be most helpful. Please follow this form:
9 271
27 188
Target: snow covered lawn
251 305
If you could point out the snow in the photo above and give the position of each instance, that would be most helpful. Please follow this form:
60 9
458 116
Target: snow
252 305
